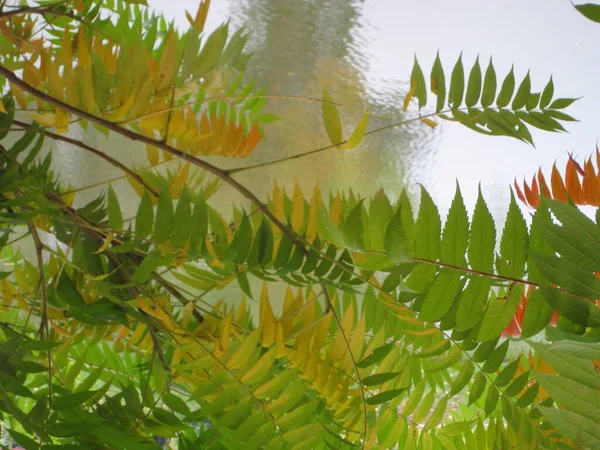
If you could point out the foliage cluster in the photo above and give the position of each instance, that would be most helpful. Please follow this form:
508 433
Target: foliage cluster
390 315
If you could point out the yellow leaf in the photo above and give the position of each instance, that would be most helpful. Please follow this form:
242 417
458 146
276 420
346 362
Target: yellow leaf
266 318
335 210
281 348
246 349
79 5
297 215
67 51
261 368
19 95
410 94
83 54
105 244
331 118
186 314
2 108
45 120
168 64
7 296
225 329
122 110
429 122
311 225
62 121
358 134
278 208
142 99
198 22
31 75
241 311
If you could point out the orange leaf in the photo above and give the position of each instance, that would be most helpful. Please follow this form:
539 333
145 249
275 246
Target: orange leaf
543 185
519 192
559 192
572 183
531 196
591 190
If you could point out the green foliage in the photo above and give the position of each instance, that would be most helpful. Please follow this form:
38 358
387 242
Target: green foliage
474 102
388 317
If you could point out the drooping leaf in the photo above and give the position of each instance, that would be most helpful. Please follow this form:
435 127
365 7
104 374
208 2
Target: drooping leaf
331 119
474 85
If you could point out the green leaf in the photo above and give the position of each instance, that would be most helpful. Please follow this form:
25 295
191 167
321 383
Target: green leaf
379 378
472 303
182 220
199 223
378 354
573 426
587 350
547 94
474 85
441 296
537 314
589 11
385 396
580 238
489 86
164 217
415 398
491 400
242 279
507 374
149 264
456 233
262 247
380 215
71 400
517 386
353 228
331 119
428 229
477 388
578 310
574 250
482 237
567 275
463 377
562 103
496 358
424 407
573 396
144 217
513 246
578 369
418 79
115 218
523 93
485 349
327 229
358 134
396 243
457 85
437 414
499 314
241 243
507 89
438 83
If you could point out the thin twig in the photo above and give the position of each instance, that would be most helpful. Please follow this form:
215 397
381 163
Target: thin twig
96 152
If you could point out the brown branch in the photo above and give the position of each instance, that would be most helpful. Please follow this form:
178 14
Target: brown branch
475 272
222 174
104 156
